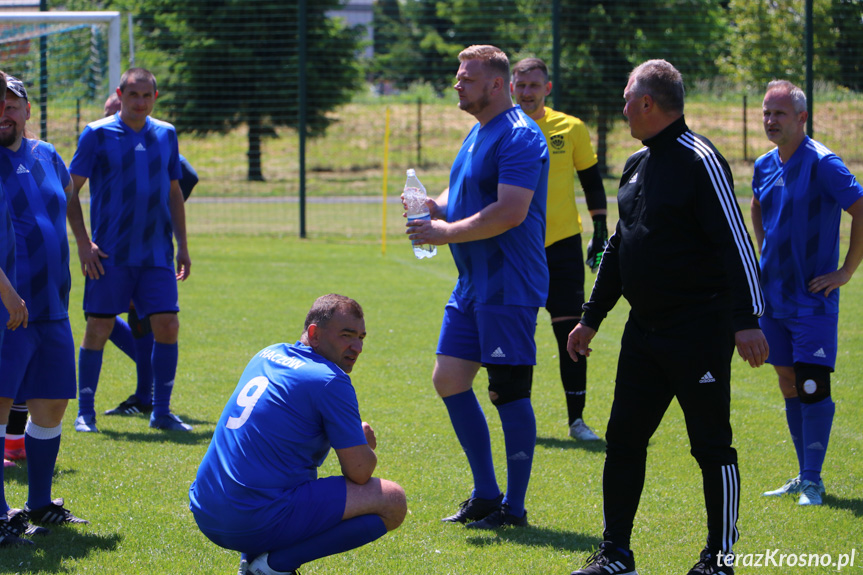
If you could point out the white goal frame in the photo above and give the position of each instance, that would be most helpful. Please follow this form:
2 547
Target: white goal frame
111 18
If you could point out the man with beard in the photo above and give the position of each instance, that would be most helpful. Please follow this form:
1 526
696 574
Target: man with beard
38 361
493 218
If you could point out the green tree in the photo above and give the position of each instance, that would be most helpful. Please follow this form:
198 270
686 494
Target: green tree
225 63
769 41
848 21
602 41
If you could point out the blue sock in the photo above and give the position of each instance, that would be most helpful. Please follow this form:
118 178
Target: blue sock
164 370
144 351
4 508
471 428
519 433
42 445
89 367
121 336
817 422
347 535
795 426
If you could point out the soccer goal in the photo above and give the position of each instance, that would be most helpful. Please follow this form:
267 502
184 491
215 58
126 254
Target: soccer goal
67 60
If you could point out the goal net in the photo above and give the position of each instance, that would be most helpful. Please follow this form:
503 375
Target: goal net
69 62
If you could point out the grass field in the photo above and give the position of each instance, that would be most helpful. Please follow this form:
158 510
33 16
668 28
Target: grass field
248 291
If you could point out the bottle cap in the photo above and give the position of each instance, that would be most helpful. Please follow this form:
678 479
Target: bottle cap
411 172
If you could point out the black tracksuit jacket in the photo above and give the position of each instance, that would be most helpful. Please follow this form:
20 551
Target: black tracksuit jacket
681 249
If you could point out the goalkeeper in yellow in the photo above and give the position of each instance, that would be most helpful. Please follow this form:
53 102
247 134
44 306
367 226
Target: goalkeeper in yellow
571 153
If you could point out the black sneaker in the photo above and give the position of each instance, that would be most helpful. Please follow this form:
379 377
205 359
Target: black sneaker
19 523
131 406
53 514
474 509
8 537
500 517
608 560
711 563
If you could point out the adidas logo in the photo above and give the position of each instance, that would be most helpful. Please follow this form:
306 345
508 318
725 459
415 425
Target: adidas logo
520 456
85 391
22 170
140 148
498 353
634 178
616 567
780 182
470 150
819 353
707 378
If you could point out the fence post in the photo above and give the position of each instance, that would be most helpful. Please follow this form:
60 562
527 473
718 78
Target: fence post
302 112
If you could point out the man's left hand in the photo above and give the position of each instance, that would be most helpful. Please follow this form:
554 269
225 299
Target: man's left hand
752 346
829 282
596 245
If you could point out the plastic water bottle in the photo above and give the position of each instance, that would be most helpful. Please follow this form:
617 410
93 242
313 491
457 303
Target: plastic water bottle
415 200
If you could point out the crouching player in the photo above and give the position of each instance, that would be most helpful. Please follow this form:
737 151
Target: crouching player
257 489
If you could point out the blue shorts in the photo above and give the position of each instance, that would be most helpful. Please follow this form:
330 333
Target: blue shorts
153 290
302 512
488 334
38 362
810 339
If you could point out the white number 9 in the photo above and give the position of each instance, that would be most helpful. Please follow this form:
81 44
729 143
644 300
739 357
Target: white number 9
248 397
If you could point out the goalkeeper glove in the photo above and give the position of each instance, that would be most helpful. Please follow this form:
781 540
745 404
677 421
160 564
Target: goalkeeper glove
597 243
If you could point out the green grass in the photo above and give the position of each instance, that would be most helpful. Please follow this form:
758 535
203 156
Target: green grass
246 292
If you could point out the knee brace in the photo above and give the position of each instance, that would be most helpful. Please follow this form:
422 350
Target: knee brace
508 383
140 326
812 382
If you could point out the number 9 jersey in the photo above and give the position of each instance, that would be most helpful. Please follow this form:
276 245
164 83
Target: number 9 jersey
290 406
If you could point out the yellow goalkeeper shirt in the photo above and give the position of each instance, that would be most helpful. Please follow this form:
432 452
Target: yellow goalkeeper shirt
570 151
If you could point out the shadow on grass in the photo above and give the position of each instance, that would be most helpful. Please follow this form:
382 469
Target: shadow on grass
853 505
52 550
565 541
193 437
558 443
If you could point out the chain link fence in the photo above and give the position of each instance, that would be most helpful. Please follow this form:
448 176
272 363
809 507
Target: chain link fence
301 118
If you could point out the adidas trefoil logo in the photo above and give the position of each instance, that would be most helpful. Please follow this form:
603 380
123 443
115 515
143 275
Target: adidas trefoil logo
498 353
707 378
22 170
819 353
634 178
140 148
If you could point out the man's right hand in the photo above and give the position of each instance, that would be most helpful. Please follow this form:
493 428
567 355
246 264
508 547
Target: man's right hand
579 340
18 314
91 260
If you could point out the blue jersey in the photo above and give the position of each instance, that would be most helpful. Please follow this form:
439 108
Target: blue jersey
130 183
290 406
7 249
36 178
508 269
801 206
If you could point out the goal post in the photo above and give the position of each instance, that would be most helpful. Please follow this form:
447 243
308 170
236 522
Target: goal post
59 18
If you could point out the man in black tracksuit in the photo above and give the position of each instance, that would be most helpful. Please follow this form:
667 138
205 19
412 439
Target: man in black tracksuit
683 259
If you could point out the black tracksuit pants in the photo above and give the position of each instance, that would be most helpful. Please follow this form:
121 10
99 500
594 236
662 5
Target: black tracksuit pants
693 363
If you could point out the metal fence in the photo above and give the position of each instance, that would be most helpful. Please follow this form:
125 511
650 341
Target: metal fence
300 118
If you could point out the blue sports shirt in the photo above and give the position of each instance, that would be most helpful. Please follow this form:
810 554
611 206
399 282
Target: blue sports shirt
801 206
508 269
290 406
7 249
36 178
130 183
